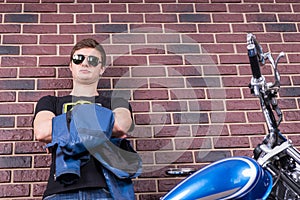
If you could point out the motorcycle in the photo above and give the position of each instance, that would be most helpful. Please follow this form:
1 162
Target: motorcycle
274 170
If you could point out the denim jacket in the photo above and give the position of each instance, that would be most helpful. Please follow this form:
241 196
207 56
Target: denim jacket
86 131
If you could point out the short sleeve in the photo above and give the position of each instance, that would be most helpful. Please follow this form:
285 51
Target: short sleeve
46 103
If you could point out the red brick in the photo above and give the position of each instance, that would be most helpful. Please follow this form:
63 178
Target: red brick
8 73
153 94
197 38
226 1
127 18
58 1
166 8
14 190
7 96
85 28
193 143
38 189
39 50
291 115
15 162
16 84
75 8
165 185
203 82
37 72
64 73
181 28
39 29
29 147
18 61
229 38
16 108
110 8
154 145
255 117
243 8
216 7
171 131
143 8
247 129
166 82
261 17
30 175
161 18
95 18
242 105
221 18
166 60
163 38
206 105
276 8
145 186
8 8
146 28
211 156
49 61
169 106
54 84
198 18
201 59
209 130
5 176
128 38
213 28
140 106
173 157
248 27
20 39
236 81
281 27
42 161
52 39
129 60
56 18
45 7
10 28
228 117
187 94
6 122
15 135
21 18
190 118
152 119
229 142
32 96
24 121
5 148
184 71
111 28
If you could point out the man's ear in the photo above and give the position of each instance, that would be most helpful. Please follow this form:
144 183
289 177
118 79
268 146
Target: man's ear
102 70
70 66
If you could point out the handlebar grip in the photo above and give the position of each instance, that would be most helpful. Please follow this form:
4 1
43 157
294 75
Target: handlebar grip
254 61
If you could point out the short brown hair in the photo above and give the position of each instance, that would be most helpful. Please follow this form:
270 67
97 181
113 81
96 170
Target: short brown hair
90 43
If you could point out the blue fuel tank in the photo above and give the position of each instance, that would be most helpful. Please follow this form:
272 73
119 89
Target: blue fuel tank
230 178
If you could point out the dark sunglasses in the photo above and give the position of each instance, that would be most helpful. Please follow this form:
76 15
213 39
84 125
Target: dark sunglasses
92 60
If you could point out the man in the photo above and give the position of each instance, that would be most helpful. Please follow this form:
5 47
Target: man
87 64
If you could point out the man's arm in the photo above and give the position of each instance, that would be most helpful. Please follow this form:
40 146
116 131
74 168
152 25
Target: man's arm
122 123
42 126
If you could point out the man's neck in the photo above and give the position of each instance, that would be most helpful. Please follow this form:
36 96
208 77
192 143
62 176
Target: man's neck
84 90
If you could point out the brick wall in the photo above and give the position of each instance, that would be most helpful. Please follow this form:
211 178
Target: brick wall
182 63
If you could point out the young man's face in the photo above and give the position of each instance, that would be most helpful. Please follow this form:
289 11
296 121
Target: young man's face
86 66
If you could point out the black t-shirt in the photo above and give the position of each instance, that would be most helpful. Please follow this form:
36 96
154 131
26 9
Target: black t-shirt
91 173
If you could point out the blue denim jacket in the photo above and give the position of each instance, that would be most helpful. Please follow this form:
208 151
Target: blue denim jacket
87 131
